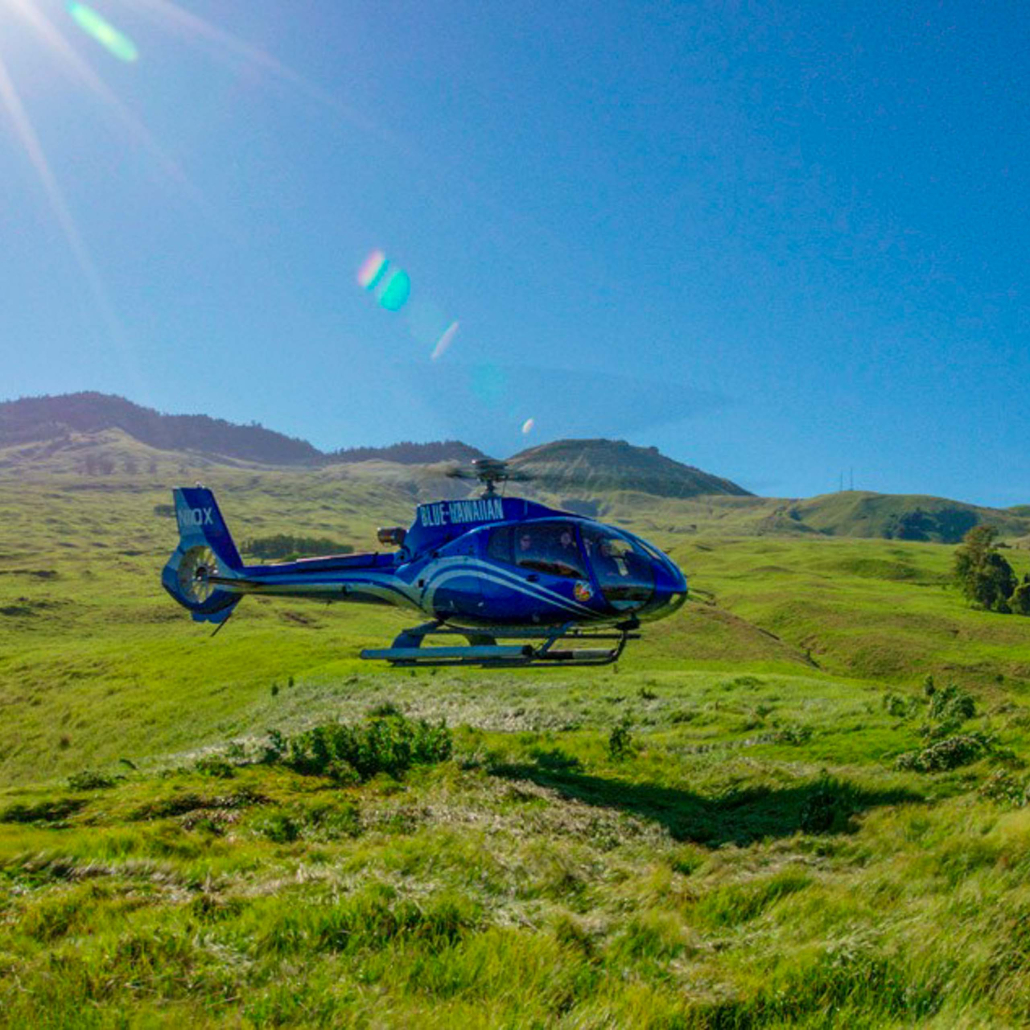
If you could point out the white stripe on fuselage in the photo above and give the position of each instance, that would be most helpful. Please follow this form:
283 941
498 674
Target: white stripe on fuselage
391 587
484 570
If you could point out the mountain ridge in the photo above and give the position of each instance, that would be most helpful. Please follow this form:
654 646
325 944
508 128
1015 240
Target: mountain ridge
107 438
597 464
45 418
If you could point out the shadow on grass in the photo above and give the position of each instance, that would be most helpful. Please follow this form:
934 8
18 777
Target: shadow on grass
826 805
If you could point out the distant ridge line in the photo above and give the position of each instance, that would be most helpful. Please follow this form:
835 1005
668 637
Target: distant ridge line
585 465
31 419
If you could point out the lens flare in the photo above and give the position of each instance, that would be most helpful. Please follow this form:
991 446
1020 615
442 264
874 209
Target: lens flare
393 290
372 269
445 341
391 286
527 426
113 41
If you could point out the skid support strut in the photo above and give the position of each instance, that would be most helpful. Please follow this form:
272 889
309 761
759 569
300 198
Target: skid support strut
483 649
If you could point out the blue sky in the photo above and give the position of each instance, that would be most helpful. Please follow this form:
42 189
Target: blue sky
779 242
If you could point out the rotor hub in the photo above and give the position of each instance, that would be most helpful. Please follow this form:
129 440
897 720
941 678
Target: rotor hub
197 567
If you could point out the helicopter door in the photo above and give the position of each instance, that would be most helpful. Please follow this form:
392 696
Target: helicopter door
625 575
546 557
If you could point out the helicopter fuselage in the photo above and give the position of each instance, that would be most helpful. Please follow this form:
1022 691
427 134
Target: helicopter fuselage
490 561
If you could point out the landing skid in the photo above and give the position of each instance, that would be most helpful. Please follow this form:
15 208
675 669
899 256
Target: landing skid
483 650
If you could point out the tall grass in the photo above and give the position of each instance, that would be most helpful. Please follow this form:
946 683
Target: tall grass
716 833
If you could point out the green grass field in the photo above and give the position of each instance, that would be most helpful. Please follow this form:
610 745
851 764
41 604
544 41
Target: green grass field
716 832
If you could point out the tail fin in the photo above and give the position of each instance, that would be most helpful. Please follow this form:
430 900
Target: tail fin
205 549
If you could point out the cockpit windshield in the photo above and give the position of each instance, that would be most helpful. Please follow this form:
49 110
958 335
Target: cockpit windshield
624 570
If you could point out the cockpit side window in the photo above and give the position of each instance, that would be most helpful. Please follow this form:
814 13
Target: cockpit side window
548 547
498 546
623 572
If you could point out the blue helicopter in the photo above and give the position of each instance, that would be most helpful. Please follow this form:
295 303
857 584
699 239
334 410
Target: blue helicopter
482 569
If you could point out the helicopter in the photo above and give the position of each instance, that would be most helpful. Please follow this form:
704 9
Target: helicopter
484 569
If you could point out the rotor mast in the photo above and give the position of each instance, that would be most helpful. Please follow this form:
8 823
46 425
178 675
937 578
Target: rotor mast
490 472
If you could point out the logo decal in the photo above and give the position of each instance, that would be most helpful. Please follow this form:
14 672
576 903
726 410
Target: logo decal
582 590
450 513
189 517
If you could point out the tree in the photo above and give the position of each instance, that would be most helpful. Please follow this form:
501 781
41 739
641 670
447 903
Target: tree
983 575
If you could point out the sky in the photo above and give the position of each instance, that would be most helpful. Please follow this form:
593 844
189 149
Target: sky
787 244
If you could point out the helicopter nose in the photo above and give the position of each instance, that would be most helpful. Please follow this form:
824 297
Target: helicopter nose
670 592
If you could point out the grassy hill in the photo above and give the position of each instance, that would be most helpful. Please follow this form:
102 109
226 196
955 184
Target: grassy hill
716 832
854 514
590 467
33 419
101 436
49 424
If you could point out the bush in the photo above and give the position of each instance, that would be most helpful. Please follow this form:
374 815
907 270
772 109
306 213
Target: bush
1005 789
620 741
795 735
946 754
212 765
899 707
390 744
90 780
950 707
384 709
279 828
952 704
1019 602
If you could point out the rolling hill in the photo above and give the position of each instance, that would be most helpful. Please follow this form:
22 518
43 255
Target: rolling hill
60 420
104 436
598 466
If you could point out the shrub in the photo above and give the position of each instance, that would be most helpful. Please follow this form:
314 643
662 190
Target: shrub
952 704
950 707
212 765
795 735
1004 788
349 753
279 828
896 706
90 780
620 741
384 709
1019 602
949 753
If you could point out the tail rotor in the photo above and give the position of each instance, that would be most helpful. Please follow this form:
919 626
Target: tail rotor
206 551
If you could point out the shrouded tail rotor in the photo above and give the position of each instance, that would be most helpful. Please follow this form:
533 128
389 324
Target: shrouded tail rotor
205 551
196 568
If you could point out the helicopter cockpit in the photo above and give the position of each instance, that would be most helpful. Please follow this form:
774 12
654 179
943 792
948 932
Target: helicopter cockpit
630 575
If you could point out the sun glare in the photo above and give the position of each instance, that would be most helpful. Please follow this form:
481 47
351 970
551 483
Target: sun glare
113 41
169 17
